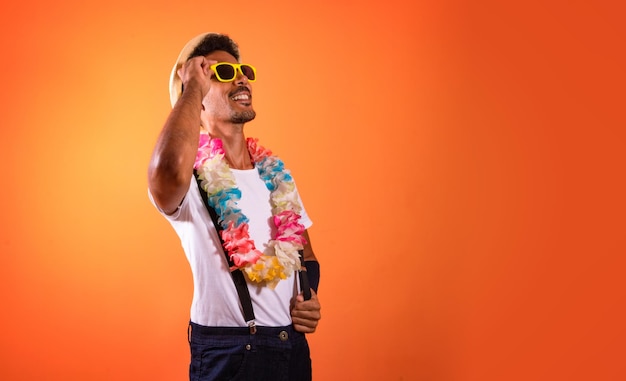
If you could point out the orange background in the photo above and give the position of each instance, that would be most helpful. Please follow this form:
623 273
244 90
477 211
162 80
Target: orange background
462 161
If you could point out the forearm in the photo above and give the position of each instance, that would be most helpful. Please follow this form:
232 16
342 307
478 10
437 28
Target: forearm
311 264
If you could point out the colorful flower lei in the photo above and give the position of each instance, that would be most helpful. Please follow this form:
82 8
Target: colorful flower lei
281 256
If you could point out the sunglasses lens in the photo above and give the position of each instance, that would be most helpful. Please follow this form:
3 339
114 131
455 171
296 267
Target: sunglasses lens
248 71
225 72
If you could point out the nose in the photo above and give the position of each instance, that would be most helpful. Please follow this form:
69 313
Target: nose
241 78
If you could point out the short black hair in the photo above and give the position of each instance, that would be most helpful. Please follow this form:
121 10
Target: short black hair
214 41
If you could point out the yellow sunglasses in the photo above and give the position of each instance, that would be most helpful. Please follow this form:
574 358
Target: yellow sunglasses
227 72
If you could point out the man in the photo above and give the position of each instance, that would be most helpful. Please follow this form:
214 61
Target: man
223 193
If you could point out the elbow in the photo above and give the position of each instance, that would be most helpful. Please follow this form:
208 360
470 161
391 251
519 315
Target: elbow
168 183
164 171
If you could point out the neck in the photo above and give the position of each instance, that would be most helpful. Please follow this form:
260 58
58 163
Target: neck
236 151
234 143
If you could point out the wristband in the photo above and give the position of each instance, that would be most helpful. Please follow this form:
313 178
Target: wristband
313 272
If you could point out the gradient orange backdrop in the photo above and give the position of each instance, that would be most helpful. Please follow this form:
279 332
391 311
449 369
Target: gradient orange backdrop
462 162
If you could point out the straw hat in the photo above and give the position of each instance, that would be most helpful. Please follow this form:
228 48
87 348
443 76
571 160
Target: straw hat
176 84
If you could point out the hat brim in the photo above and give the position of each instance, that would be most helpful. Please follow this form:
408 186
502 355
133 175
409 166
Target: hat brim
176 83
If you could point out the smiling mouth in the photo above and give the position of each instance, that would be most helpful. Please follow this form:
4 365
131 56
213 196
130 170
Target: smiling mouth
241 97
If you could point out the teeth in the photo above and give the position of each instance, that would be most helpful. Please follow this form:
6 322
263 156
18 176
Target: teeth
240 97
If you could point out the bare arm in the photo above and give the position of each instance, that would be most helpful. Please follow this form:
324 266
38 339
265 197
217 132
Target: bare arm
171 164
305 314
309 255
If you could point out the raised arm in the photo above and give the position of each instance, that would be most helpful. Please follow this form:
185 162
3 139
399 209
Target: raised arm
171 164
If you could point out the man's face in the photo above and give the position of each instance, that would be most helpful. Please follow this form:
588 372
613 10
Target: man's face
228 101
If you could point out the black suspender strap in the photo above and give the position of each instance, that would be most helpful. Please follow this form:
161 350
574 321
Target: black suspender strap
237 275
304 278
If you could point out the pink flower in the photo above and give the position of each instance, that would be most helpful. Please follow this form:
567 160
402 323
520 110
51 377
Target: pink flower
256 151
207 149
239 245
203 154
288 227
204 140
217 147
242 260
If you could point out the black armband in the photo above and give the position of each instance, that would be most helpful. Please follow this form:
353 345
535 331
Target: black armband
313 273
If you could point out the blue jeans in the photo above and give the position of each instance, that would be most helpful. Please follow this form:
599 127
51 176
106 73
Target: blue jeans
232 353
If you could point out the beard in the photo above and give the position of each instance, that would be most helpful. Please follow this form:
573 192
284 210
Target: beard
241 117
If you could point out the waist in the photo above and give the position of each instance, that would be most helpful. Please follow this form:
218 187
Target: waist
282 333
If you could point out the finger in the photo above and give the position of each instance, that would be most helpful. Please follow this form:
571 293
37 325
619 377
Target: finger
207 63
311 304
307 313
303 328
187 67
306 307
300 296
303 325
